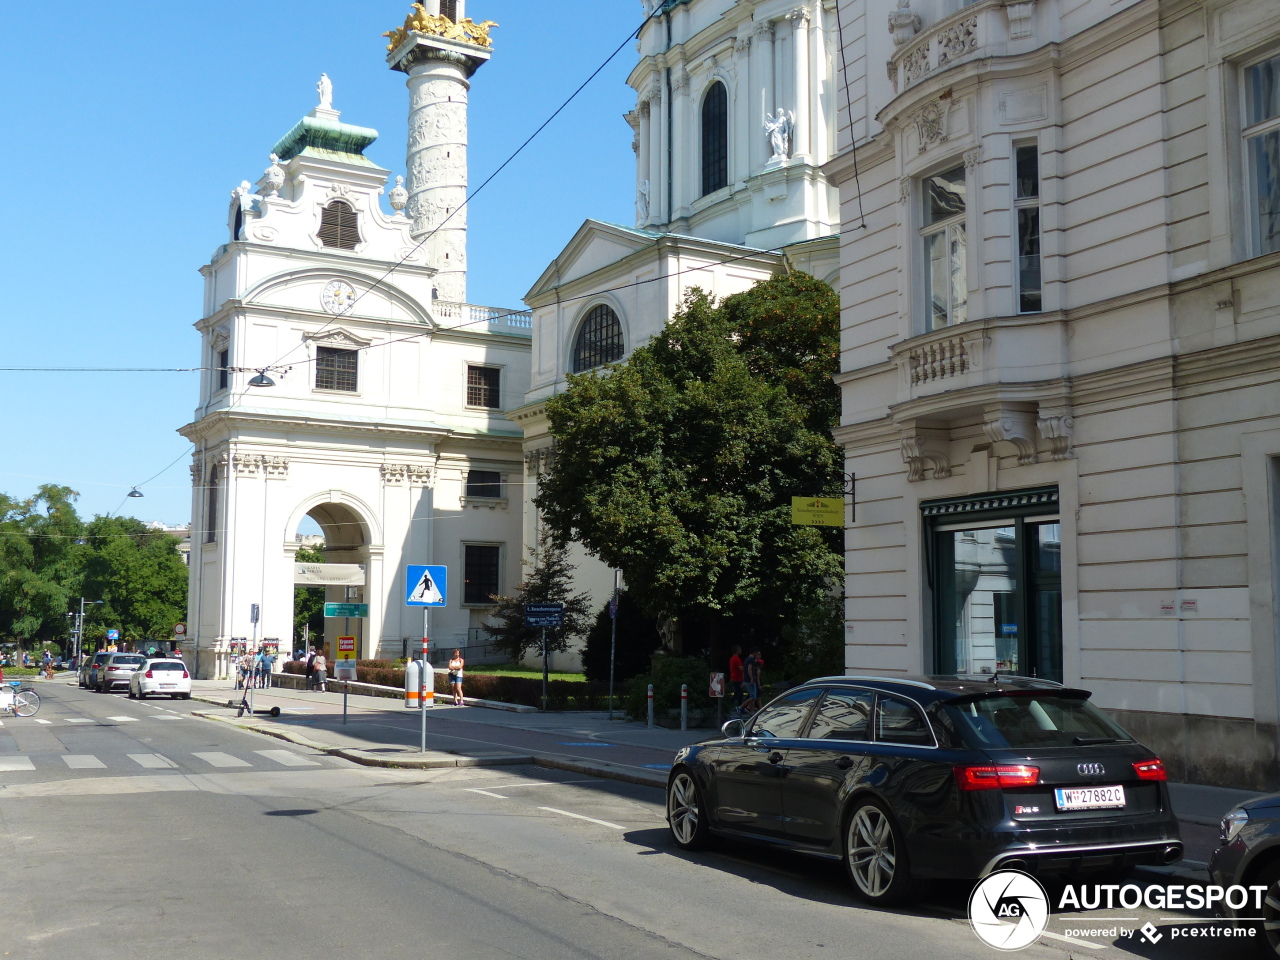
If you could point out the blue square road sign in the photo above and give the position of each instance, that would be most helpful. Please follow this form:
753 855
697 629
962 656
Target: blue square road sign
426 586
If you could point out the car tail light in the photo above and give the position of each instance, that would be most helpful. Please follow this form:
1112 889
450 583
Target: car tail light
1152 769
109 669
185 675
149 676
990 778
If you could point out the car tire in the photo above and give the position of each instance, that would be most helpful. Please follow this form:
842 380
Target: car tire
131 694
686 811
875 856
1267 936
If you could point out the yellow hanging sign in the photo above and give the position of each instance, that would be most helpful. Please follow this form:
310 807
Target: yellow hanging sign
817 511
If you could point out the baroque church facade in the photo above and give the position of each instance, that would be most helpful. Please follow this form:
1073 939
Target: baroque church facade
347 379
736 105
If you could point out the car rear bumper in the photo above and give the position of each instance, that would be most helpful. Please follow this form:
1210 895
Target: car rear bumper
1085 857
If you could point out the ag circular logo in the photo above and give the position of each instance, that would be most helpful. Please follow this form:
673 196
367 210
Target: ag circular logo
1008 910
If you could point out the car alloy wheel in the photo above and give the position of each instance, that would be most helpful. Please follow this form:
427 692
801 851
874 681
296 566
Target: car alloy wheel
876 857
685 812
1269 931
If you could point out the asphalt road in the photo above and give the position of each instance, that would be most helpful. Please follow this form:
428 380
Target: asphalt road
135 830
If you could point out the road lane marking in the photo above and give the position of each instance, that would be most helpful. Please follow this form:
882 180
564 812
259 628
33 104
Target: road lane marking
548 783
592 743
487 793
83 762
222 760
45 722
124 719
287 758
166 716
81 720
152 761
578 816
10 764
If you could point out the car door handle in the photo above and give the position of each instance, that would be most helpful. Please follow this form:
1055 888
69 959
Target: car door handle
775 757
844 763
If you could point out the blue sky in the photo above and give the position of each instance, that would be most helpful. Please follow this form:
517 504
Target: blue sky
125 134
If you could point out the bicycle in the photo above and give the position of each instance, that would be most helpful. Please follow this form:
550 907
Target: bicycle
14 701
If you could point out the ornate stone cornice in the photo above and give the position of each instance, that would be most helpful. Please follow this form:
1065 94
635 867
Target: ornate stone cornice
336 338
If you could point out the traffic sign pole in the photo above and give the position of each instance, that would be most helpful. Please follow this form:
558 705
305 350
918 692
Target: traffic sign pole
544 668
426 667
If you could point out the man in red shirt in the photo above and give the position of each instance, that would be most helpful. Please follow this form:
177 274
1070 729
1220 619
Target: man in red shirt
735 677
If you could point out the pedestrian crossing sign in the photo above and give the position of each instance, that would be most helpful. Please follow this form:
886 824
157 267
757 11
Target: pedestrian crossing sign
426 586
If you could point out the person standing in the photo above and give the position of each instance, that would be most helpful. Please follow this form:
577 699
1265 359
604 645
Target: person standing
455 677
736 677
311 669
320 665
752 668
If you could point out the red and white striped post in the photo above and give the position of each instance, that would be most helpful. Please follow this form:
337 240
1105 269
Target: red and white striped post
684 706
428 677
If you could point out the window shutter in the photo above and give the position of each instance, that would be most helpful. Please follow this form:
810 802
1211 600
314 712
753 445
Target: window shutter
339 226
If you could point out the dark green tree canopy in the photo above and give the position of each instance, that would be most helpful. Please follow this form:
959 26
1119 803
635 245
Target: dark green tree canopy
679 465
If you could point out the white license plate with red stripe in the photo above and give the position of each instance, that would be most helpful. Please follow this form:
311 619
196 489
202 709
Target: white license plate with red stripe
1089 798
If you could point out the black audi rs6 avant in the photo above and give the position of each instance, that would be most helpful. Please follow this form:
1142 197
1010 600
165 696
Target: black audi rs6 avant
909 780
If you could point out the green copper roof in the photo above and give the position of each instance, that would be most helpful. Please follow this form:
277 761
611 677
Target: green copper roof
328 138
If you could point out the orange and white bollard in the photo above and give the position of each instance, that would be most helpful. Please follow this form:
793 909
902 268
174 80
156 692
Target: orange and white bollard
412 680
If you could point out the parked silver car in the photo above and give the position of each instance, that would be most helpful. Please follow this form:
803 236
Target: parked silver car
89 669
117 670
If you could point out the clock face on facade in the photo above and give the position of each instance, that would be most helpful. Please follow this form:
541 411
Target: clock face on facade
338 296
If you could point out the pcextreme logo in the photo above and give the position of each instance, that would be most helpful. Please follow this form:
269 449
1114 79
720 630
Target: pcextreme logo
1008 910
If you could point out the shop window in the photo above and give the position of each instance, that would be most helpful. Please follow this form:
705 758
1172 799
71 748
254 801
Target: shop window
994 567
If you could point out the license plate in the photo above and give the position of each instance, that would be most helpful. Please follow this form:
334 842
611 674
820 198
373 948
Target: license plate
168 686
1089 798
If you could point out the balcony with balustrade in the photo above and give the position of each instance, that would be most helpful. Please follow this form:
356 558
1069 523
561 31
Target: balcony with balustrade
469 316
987 28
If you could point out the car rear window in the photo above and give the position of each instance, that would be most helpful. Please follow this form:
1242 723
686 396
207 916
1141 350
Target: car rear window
128 660
1035 720
166 665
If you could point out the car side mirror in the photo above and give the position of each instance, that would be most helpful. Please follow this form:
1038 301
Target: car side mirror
734 729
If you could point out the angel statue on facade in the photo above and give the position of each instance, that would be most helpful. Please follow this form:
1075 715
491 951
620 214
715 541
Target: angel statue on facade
642 202
325 89
779 126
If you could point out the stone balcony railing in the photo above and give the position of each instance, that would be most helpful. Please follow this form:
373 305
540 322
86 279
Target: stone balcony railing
985 28
518 322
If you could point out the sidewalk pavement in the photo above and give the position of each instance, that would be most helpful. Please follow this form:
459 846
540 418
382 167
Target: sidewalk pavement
381 732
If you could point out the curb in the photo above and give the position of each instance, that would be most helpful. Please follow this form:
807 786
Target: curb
602 769
364 758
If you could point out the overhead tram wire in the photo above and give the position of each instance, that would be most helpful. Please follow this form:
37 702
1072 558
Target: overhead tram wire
848 112
487 180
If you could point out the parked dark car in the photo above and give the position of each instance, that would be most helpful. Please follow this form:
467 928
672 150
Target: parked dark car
910 779
1248 853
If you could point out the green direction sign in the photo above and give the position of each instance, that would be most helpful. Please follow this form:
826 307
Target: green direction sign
346 610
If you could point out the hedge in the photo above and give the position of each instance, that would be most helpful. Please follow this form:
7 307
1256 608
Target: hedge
527 691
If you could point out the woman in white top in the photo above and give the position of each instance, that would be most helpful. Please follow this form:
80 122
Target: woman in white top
319 665
455 677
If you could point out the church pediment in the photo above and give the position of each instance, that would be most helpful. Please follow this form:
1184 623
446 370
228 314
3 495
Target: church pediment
338 293
337 337
596 245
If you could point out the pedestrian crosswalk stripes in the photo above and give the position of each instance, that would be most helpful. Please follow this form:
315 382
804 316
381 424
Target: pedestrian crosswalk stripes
270 759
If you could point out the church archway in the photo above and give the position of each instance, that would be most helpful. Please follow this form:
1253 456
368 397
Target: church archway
331 556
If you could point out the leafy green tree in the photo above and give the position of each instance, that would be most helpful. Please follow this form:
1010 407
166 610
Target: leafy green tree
549 581
40 564
139 574
636 642
679 466
308 602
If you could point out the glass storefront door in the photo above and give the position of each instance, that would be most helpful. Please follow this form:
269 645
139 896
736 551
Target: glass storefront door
997 590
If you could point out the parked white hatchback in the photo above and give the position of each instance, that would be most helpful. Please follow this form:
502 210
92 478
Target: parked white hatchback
165 677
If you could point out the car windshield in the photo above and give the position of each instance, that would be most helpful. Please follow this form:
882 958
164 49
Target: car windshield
1036 720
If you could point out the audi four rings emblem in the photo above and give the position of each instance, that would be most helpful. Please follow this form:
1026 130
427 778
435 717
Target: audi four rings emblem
1090 769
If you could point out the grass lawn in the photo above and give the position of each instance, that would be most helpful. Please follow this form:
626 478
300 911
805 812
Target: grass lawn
519 670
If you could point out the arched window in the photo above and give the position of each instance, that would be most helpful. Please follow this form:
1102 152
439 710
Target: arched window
211 506
599 340
339 226
715 139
